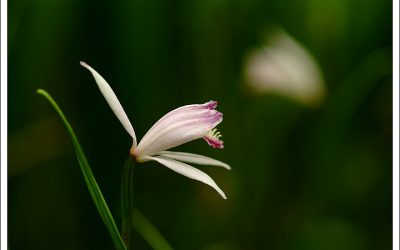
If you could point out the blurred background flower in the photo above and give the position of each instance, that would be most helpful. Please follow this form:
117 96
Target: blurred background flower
301 178
284 67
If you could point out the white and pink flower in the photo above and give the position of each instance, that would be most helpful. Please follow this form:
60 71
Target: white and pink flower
177 127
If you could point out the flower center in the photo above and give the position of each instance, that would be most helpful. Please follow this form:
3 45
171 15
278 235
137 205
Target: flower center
212 138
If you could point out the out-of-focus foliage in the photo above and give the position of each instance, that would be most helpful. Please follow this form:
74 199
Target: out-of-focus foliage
302 177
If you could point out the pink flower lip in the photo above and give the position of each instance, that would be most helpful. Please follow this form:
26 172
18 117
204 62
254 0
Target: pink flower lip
213 139
215 143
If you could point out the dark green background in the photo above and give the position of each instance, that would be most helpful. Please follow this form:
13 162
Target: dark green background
301 178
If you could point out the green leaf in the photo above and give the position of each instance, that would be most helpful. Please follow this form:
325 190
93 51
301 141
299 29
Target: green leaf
91 183
144 227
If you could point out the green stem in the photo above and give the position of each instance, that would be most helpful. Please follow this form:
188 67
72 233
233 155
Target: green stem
127 202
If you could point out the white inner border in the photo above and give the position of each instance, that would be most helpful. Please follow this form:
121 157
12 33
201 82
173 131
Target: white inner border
396 124
3 154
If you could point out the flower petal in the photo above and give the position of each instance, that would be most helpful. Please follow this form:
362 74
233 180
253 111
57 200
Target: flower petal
194 158
187 170
172 114
177 127
112 100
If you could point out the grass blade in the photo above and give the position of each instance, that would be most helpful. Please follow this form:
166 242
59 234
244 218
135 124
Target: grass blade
144 227
91 183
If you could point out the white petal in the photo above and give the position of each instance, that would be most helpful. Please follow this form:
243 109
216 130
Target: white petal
112 100
194 158
187 170
177 127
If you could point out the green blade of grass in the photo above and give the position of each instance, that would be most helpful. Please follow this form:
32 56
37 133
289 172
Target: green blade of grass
91 183
144 227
